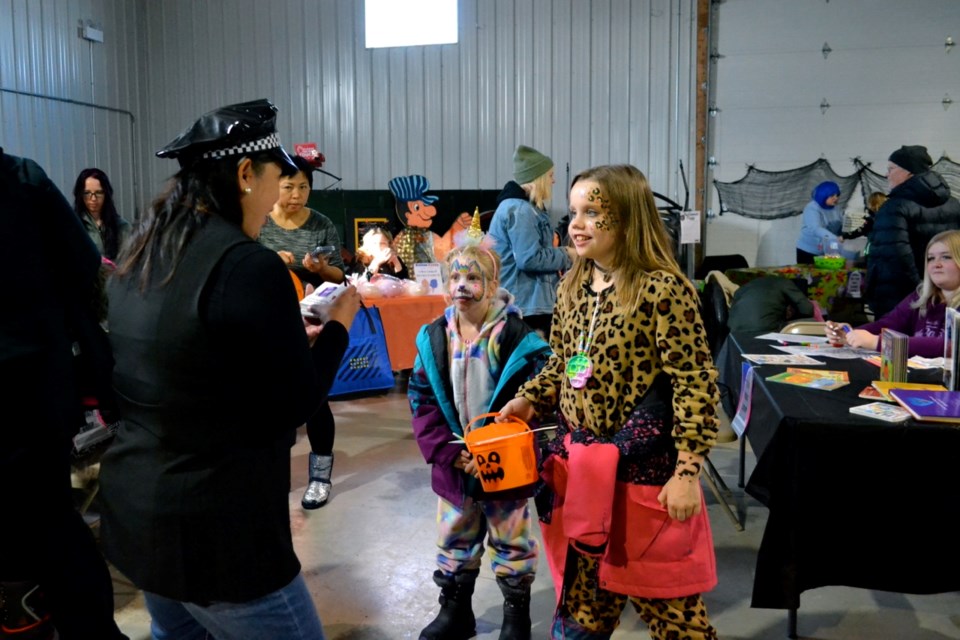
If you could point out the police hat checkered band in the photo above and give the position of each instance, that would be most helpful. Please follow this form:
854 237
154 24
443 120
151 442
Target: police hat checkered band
266 143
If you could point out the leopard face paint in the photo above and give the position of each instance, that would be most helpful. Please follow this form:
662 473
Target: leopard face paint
593 224
608 221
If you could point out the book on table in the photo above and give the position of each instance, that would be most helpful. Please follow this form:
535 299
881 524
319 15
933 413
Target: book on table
884 388
870 392
882 411
893 355
812 378
929 406
951 344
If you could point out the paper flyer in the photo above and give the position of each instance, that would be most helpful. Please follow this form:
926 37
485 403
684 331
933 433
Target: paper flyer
774 358
742 417
430 275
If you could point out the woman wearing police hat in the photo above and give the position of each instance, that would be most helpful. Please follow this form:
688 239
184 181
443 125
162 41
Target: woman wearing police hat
195 487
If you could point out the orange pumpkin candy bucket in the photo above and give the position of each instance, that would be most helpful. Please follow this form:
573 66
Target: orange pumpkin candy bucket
504 452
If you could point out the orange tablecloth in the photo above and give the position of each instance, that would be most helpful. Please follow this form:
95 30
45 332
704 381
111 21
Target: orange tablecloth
402 318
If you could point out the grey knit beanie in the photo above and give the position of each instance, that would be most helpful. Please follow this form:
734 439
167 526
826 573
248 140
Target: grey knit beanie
529 164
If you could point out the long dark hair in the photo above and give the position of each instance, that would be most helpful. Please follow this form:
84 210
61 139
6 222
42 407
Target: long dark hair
109 218
193 194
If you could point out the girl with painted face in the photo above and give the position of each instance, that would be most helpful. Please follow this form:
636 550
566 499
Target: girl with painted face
470 360
634 390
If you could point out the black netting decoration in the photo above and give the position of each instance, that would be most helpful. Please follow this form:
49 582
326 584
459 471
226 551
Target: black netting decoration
950 171
768 195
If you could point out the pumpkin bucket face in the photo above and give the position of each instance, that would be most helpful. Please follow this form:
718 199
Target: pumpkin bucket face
504 453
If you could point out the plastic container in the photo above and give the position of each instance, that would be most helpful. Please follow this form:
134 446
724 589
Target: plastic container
832 263
504 452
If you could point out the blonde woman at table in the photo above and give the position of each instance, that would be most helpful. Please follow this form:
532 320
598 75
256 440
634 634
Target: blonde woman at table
634 389
921 314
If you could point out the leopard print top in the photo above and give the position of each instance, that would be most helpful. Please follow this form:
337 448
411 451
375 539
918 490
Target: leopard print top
628 352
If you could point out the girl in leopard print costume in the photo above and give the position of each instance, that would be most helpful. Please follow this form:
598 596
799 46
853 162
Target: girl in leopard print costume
621 508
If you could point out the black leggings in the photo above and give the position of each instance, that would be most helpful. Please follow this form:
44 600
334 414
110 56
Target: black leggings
803 257
540 322
321 429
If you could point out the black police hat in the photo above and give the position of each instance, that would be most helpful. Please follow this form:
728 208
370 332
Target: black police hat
233 130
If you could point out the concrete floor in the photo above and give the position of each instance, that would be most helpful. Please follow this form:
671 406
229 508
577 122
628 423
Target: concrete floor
368 555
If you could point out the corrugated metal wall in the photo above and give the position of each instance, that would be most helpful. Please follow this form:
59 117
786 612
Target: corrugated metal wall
67 102
585 82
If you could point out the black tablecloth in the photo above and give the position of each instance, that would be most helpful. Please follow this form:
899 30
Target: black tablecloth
853 501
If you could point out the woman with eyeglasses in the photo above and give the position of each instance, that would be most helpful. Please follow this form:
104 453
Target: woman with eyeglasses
93 202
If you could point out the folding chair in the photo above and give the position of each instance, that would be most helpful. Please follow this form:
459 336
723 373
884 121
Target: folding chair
714 312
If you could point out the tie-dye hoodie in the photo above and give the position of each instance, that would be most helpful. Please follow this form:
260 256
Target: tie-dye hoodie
453 381
475 365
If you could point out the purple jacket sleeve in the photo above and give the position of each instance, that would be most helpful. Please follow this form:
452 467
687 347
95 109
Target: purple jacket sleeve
433 436
905 319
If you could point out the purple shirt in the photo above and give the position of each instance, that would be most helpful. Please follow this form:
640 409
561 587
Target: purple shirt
925 331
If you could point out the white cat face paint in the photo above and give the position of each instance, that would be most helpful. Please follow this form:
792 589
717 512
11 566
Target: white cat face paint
467 282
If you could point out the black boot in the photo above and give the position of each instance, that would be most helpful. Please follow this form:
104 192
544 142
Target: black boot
455 620
318 489
516 608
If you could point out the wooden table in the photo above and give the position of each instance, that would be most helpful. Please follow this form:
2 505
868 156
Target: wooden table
402 318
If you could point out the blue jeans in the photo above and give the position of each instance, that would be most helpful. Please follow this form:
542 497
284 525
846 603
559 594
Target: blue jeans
286 614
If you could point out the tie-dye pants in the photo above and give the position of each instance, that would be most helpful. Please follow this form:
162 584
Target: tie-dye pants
507 527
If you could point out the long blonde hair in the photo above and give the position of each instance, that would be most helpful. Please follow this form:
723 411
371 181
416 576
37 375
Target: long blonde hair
541 189
928 291
642 245
875 200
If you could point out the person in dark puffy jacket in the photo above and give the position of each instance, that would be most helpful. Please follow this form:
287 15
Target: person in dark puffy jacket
51 572
919 206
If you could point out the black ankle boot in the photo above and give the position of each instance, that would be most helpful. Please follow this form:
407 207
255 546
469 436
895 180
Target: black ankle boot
516 608
455 620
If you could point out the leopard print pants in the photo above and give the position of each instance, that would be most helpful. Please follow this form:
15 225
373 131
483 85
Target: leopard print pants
589 612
